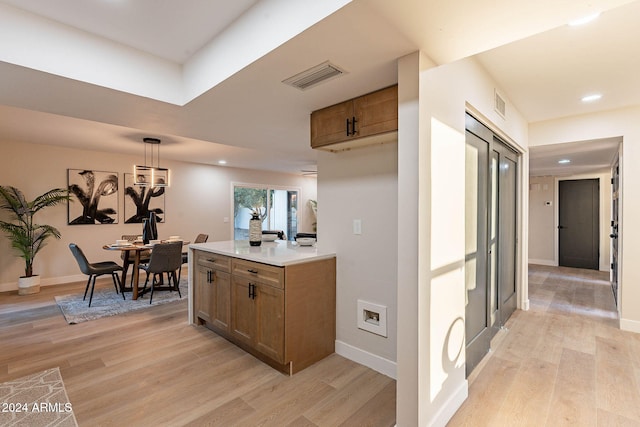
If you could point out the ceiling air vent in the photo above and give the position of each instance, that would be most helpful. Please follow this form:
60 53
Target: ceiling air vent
499 104
313 76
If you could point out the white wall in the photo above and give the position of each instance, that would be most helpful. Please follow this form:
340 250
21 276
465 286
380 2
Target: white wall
445 93
617 123
361 184
199 199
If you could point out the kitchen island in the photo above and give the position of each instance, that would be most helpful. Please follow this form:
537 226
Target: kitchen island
276 301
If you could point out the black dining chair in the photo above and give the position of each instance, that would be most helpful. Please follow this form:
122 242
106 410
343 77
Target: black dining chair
165 258
200 238
94 270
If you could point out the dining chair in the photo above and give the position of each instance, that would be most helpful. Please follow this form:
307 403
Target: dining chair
200 238
94 270
165 258
128 258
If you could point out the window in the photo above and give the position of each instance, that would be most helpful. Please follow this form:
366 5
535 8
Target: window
277 207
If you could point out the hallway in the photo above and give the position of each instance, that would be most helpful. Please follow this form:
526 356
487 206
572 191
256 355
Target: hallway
563 362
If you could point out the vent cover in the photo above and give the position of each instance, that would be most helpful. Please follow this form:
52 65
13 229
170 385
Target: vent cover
313 76
499 104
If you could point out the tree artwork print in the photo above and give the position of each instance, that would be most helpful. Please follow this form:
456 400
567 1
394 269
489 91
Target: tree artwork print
94 195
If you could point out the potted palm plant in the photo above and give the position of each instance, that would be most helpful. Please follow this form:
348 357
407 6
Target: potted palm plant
27 237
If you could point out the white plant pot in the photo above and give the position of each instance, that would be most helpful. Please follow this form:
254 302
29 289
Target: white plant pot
28 285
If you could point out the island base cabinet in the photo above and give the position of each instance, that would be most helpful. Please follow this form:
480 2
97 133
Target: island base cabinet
284 316
212 289
220 312
258 317
270 322
243 312
203 297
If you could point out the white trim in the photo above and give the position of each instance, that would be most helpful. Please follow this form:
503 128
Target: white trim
548 262
630 325
50 281
13 286
451 406
370 360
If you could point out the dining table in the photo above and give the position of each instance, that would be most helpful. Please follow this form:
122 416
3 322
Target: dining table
136 248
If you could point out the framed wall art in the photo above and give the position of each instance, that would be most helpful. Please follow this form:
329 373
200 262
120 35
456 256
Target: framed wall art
140 201
93 197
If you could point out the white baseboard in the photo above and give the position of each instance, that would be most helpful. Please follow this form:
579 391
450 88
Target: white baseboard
550 263
13 286
448 410
370 360
630 325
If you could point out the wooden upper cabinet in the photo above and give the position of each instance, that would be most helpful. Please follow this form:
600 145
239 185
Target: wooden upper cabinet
346 125
329 125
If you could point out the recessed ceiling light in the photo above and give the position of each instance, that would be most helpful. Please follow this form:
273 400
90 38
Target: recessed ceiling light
591 98
584 19
564 161
222 162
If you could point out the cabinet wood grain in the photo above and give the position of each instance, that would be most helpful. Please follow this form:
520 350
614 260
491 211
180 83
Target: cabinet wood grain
369 119
283 315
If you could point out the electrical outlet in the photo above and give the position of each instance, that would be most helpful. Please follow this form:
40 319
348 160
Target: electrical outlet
372 318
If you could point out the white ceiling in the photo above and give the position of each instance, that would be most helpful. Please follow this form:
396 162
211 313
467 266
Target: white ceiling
169 29
253 120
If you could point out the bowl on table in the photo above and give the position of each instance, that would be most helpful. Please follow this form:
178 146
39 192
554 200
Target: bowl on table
269 237
305 241
122 243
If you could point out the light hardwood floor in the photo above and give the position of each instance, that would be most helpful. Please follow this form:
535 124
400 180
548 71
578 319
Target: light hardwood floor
563 362
150 368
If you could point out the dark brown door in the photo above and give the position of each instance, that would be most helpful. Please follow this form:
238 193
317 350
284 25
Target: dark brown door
578 230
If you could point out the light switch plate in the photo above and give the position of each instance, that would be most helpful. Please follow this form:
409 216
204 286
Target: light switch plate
357 226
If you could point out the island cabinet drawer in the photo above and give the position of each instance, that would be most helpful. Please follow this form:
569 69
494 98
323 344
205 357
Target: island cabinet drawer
267 274
213 261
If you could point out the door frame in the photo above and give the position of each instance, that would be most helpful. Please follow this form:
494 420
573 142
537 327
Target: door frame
522 207
498 144
604 212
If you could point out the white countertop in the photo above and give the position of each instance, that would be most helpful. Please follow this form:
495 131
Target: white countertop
279 253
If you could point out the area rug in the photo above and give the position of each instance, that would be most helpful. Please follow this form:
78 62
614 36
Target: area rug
107 303
36 400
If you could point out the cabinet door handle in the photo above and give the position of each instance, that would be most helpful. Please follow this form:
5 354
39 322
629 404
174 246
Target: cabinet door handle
252 271
348 123
252 291
208 276
353 126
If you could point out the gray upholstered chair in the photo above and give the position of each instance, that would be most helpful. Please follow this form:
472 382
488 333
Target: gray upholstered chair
94 270
128 258
200 238
165 258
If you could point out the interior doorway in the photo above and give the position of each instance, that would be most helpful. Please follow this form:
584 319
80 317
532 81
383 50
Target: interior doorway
578 225
491 185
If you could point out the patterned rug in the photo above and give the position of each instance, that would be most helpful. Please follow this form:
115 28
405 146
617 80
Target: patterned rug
107 303
36 400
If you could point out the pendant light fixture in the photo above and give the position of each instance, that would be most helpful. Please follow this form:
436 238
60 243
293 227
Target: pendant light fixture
151 175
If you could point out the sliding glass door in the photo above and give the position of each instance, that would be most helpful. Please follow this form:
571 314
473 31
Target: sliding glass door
277 208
